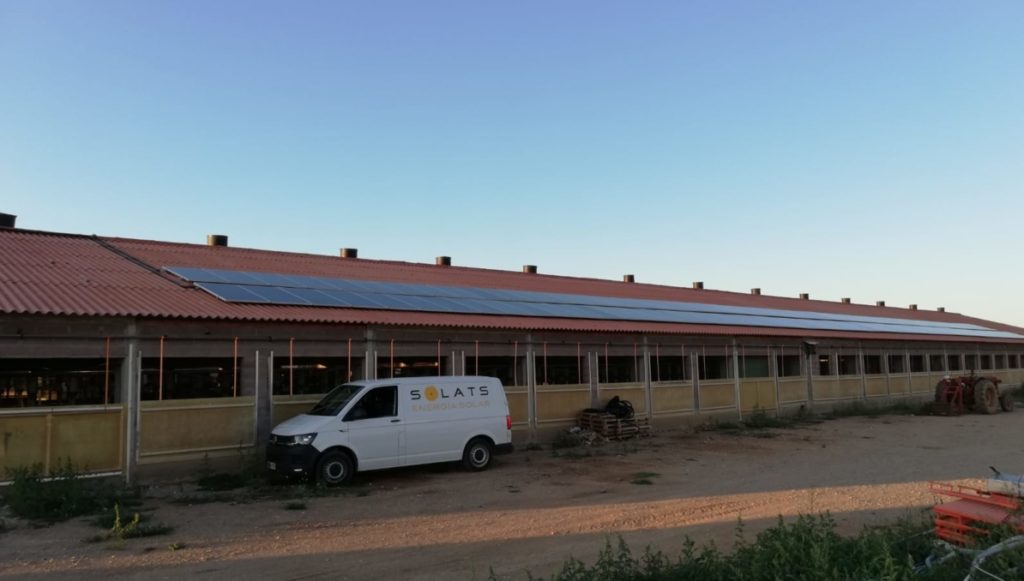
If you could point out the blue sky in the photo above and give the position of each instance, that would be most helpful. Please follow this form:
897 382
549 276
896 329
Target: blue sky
865 149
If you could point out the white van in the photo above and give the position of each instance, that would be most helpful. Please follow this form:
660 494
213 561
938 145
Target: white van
369 425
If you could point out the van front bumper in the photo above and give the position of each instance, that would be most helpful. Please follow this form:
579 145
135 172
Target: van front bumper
291 459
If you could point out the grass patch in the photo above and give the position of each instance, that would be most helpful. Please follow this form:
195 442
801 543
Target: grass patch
63 494
807 549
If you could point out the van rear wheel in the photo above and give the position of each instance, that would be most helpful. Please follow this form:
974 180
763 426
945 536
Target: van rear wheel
334 468
477 454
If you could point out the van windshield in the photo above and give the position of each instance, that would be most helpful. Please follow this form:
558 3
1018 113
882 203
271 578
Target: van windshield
335 400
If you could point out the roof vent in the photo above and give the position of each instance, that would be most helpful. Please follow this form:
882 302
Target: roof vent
7 220
698 285
879 303
913 307
628 278
941 309
845 300
530 268
350 253
755 291
216 240
443 261
805 296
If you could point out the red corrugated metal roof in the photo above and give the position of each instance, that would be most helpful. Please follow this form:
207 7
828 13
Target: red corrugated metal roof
60 274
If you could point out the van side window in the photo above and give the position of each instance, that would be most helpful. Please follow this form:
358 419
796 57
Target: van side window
381 402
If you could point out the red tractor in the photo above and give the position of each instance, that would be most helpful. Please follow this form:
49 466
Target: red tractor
953 395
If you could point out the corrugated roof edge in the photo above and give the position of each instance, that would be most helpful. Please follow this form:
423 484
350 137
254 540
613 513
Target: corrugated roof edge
550 326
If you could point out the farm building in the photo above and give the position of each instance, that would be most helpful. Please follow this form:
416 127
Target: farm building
121 353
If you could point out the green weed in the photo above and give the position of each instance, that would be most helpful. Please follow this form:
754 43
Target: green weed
807 549
130 529
61 495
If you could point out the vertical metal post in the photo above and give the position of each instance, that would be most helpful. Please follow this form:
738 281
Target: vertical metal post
234 369
736 376
106 374
132 404
291 366
531 386
694 378
773 368
648 388
256 399
160 376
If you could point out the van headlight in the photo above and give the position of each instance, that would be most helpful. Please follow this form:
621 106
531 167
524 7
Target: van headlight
300 440
304 440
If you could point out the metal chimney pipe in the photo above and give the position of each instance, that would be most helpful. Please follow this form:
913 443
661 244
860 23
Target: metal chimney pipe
628 278
805 296
530 268
216 240
7 220
755 291
698 285
443 261
845 300
350 253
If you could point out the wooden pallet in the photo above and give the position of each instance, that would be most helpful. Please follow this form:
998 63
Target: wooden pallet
614 428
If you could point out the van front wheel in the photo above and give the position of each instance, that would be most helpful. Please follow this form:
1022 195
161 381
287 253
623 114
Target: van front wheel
334 468
477 455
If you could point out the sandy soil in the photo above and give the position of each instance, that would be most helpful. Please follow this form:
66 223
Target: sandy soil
533 510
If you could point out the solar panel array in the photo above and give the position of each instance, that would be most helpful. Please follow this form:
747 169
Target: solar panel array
285 289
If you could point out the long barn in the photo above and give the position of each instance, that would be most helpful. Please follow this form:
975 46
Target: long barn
117 353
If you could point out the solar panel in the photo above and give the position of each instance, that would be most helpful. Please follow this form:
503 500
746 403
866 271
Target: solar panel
283 289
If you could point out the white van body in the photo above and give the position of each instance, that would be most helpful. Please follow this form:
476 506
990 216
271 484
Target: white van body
386 423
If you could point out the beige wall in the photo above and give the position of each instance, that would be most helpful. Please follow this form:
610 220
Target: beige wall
717 394
196 425
90 438
793 390
561 403
876 385
757 394
672 397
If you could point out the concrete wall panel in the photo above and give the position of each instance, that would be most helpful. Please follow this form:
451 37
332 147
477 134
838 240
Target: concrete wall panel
518 406
875 385
672 397
24 440
793 390
196 425
563 403
92 441
717 395
757 394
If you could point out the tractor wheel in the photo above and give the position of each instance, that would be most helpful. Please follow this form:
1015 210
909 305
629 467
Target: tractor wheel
986 397
940 392
1006 402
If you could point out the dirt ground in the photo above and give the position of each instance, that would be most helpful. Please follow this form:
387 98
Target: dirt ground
532 510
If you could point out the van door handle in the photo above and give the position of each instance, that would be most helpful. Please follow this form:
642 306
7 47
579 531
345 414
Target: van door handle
395 421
